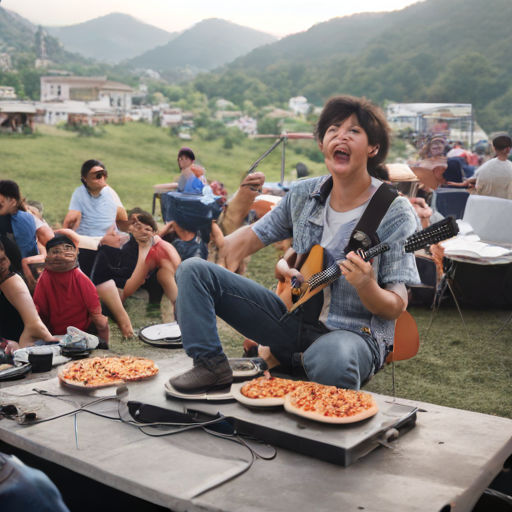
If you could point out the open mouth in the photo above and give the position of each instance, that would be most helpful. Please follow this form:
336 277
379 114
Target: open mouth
341 156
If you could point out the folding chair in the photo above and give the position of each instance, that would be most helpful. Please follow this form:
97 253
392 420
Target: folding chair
406 343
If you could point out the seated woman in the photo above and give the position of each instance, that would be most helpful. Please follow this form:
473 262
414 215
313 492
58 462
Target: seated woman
192 176
65 296
20 225
20 324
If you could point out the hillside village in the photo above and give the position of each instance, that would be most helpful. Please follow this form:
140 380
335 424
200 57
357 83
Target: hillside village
230 76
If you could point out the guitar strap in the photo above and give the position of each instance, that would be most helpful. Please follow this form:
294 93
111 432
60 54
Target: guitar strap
364 235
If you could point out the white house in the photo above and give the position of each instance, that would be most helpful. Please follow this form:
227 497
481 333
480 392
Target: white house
86 89
7 92
299 105
246 124
57 112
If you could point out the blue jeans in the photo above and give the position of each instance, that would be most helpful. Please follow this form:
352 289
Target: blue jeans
338 358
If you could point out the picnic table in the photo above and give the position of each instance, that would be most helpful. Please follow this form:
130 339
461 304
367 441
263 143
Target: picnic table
443 464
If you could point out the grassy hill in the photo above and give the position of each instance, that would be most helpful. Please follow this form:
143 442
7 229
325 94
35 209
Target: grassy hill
137 156
435 50
111 38
206 45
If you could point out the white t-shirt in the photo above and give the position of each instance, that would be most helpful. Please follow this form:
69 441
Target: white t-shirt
494 178
338 227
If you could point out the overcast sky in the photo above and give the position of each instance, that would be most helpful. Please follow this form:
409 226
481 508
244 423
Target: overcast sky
279 17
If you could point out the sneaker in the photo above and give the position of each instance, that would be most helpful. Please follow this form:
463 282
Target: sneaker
207 374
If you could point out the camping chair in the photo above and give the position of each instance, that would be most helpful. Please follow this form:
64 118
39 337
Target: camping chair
406 343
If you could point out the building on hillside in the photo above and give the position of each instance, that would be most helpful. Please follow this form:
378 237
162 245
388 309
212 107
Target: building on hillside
245 124
144 114
7 92
227 116
5 62
299 105
61 111
97 90
17 116
171 117
279 113
223 104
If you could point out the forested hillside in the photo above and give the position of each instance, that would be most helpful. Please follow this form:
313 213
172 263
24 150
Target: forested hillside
20 39
436 50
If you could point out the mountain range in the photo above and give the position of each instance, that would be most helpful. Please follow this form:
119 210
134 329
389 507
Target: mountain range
205 46
111 38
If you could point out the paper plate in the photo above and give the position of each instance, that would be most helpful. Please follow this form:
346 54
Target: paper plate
254 402
215 395
162 335
14 372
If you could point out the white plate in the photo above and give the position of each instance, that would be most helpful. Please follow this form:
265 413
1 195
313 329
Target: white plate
254 402
327 419
222 394
163 331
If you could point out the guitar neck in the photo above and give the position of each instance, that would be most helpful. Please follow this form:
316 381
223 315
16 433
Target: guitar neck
434 234
332 273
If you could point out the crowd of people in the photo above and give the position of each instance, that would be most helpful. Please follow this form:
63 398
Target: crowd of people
104 254
101 256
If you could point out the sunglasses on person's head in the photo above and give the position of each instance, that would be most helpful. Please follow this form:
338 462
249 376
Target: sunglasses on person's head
97 175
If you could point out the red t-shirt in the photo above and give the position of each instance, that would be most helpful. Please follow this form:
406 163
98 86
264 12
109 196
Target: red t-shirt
65 299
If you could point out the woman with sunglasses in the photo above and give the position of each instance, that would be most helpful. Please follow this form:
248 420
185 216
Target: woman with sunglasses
94 210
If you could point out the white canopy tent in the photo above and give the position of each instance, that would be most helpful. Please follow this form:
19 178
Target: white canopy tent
455 120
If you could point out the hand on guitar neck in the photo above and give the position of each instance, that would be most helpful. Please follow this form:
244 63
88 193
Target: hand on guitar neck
357 272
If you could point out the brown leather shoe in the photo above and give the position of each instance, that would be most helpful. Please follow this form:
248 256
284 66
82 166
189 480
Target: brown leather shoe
207 374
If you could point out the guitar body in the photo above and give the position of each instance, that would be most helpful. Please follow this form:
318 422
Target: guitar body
313 264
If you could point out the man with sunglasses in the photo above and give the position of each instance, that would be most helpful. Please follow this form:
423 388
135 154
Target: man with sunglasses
66 297
95 209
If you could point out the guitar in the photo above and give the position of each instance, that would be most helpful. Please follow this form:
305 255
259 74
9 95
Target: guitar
316 279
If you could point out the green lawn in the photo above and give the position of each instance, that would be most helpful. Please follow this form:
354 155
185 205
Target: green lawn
452 368
137 156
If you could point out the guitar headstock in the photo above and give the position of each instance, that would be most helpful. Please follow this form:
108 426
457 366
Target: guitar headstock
442 230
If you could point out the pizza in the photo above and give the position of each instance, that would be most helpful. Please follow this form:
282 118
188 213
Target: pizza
265 387
330 404
106 371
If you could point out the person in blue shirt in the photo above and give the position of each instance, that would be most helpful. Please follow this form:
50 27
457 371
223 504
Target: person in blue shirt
189 182
94 210
15 222
349 340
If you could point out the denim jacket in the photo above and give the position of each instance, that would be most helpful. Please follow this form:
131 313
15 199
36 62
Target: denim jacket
300 216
